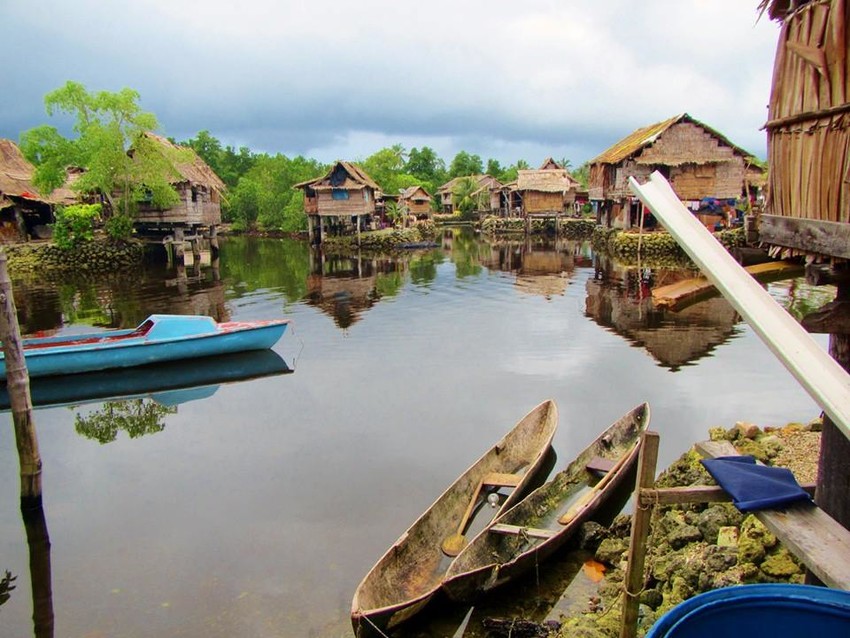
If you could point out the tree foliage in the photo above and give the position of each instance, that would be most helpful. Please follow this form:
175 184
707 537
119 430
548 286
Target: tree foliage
75 224
466 196
136 417
465 164
107 126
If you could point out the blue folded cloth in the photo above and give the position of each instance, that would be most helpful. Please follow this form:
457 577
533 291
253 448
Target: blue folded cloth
755 487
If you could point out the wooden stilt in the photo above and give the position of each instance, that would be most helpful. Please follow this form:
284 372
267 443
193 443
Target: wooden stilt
18 385
179 258
634 581
214 248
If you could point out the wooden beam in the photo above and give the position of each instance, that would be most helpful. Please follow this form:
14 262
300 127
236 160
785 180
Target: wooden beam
808 532
516 530
824 237
832 318
634 580
826 275
693 494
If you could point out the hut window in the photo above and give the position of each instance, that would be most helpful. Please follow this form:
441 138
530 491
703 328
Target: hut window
194 194
339 193
365 195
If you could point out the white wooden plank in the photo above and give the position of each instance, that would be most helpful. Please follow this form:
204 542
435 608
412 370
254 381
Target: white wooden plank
821 376
516 530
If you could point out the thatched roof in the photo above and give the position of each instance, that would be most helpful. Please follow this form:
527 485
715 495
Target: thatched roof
16 173
411 193
344 175
485 180
194 170
635 142
780 9
546 181
549 163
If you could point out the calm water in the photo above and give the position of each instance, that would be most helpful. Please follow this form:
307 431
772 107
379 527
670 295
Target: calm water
253 508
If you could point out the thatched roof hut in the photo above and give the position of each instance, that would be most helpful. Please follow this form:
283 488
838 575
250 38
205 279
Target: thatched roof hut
808 128
416 199
22 207
346 191
197 185
486 184
546 190
699 162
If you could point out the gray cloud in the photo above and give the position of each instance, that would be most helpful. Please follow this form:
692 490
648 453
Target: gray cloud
322 78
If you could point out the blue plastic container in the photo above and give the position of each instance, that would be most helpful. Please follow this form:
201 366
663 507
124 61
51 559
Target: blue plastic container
759 611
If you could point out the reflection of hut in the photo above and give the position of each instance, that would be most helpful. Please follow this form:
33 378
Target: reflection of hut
197 186
342 287
699 162
489 193
23 211
417 201
673 339
341 201
547 190
546 273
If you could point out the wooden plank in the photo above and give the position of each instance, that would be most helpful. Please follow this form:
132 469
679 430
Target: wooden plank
818 236
501 479
693 494
808 532
818 373
516 530
680 294
599 465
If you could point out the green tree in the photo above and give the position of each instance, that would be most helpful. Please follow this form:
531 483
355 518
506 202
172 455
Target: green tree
465 164
512 172
582 174
466 196
120 162
425 164
494 169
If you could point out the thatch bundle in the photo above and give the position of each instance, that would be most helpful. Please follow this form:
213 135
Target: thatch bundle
809 113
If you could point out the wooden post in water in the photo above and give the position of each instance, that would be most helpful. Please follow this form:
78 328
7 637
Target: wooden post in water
213 242
179 247
18 384
634 581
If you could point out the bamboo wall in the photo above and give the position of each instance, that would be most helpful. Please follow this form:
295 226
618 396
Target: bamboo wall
809 116
204 211
540 202
359 202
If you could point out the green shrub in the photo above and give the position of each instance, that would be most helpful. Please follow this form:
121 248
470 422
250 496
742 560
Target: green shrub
119 227
75 224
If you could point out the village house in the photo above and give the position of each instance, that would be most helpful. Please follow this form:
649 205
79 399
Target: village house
416 200
707 171
489 191
24 212
341 201
197 186
549 190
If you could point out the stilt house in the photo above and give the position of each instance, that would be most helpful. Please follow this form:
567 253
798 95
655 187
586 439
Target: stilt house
808 205
549 190
699 162
23 211
341 201
417 201
197 185
489 188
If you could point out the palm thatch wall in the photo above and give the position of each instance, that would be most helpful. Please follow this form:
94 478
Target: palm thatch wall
809 128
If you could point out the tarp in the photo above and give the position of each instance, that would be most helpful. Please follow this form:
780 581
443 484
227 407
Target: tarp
752 486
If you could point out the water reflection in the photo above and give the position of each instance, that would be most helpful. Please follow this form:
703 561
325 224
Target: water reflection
620 299
168 384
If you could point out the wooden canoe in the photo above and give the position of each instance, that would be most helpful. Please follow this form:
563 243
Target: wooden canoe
409 574
547 518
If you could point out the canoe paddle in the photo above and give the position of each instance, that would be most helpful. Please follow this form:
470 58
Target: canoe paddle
453 545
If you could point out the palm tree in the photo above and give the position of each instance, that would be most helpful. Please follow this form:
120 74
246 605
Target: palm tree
466 196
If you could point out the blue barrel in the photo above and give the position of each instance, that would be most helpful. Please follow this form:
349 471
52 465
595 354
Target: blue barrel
758 611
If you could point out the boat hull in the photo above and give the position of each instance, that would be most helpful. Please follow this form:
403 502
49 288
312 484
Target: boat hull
194 337
493 559
410 573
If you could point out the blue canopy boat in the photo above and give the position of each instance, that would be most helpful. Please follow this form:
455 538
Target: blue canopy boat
159 338
758 611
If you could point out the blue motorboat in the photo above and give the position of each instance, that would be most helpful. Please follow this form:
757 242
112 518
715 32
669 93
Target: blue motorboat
758 611
159 338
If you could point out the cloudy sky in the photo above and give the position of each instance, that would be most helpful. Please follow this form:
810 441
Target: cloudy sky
339 80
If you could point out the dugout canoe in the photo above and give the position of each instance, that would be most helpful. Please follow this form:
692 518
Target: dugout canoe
548 517
408 575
